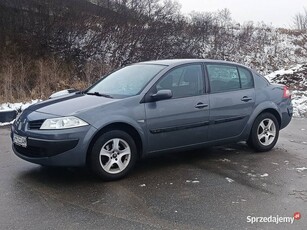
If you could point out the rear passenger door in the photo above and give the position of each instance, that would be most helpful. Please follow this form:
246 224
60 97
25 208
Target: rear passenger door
232 99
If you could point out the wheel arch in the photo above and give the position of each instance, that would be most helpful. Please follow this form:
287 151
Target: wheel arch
274 112
268 107
128 128
253 138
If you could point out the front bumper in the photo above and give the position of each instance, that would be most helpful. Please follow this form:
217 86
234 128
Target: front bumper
45 148
55 147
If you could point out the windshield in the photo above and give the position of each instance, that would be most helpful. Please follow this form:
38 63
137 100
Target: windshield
128 81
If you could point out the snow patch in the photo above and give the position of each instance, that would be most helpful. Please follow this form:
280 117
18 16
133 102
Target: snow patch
229 180
17 106
272 76
264 175
251 175
295 78
224 160
6 123
192 181
301 169
299 102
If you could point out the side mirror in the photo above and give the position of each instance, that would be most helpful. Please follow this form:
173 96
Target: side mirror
62 93
162 94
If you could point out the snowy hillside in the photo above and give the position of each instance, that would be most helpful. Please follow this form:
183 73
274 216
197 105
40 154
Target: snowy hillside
294 77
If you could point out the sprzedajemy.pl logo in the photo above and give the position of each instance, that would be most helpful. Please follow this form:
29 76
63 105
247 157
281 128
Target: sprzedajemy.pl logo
273 219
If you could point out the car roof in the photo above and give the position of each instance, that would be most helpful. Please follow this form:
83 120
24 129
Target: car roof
174 62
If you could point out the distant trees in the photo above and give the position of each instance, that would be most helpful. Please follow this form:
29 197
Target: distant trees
300 21
47 45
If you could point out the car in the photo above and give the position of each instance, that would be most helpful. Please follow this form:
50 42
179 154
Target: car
153 107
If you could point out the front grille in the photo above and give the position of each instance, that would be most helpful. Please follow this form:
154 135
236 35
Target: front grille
31 151
35 124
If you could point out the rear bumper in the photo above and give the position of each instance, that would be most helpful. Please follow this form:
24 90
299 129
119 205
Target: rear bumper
286 117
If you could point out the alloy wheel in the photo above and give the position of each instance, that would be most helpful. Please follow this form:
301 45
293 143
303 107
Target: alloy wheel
115 155
266 132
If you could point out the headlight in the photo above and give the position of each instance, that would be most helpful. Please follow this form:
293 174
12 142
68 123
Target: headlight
63 123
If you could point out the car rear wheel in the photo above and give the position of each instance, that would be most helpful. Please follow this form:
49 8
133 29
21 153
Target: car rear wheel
113 155
264 133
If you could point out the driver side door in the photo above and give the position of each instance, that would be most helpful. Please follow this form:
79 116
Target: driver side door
182 120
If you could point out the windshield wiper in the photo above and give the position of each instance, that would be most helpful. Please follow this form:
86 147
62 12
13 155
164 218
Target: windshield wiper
100 94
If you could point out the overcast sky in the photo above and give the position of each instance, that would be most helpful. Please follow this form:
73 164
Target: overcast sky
273 12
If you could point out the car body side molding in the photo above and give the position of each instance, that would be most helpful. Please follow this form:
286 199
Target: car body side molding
177 128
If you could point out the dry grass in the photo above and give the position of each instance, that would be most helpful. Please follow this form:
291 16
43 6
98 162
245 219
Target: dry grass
24 79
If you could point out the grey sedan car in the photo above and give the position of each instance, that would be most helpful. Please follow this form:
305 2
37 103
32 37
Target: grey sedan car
151 107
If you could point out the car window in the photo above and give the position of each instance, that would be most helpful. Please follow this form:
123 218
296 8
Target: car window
223 78
184 81
246 77
128 81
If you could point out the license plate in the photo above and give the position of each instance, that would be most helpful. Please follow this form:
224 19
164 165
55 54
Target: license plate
19 140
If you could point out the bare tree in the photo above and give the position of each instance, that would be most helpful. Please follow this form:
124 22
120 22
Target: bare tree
300 20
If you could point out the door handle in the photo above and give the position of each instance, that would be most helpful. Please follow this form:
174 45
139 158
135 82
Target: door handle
201 105
246 99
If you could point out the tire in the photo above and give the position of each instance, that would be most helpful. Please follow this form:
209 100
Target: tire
113 156
264 133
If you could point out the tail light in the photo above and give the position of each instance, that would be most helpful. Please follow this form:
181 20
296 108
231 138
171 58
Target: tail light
287 93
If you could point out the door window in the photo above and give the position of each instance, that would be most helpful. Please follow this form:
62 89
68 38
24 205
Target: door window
225 78
183 81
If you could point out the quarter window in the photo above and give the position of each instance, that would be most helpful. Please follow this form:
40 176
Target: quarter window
246 78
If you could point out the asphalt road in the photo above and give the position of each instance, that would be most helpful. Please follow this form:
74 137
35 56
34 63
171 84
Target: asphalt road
215 188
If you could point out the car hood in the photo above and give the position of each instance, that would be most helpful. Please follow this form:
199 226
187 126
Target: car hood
70 104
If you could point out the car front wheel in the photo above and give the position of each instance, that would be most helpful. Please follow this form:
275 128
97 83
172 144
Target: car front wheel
113 155
264 133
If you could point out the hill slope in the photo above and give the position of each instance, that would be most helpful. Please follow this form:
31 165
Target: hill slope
294 77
